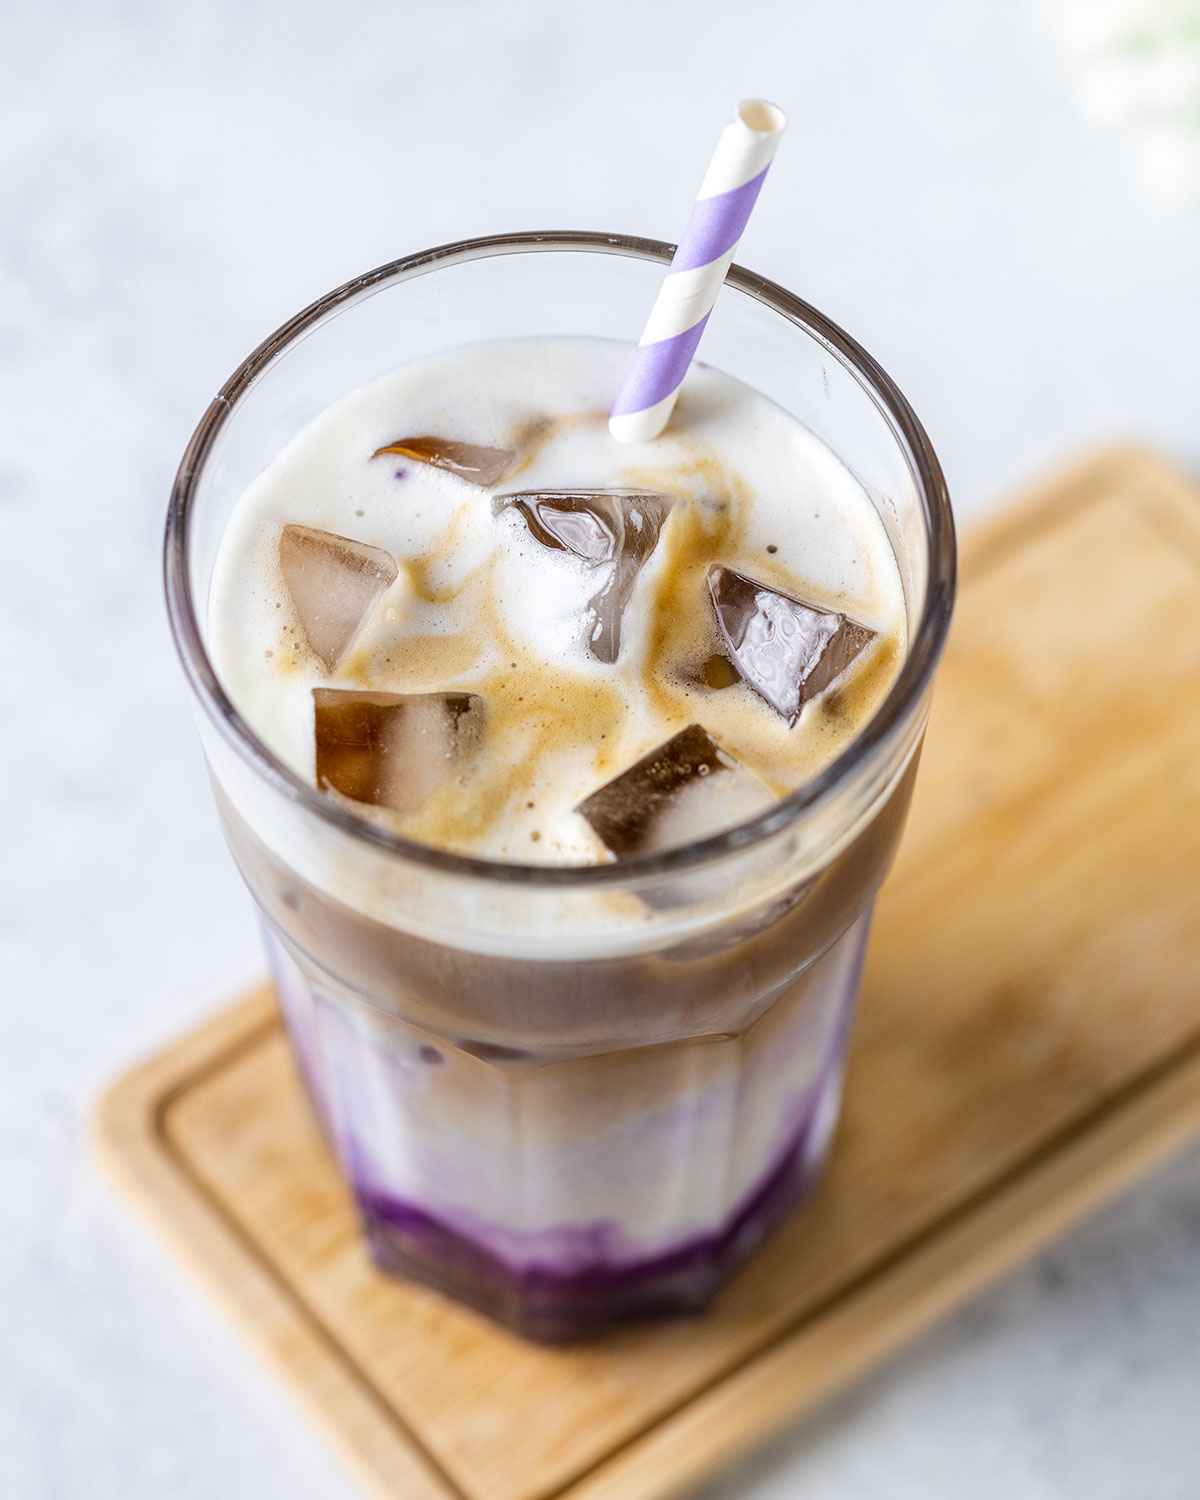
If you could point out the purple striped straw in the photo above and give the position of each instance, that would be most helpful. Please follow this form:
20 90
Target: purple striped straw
703 256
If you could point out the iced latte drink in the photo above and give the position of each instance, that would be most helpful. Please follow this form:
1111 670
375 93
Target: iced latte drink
564 773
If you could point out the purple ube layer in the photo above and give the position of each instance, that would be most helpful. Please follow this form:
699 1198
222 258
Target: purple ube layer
568 1279
582 1279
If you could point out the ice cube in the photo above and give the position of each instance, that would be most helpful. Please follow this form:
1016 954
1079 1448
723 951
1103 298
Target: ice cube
685 790
610 527
470 461
787 651
394 749
333 582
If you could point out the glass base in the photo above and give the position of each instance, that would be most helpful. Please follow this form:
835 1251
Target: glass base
551 1306
563 1196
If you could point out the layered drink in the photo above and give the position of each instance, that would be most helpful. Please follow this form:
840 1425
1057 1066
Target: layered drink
565 805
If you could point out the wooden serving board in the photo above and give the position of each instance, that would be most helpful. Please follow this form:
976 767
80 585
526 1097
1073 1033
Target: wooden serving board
1028 1041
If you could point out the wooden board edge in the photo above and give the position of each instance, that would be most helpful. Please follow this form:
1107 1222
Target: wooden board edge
870 1321
1068 488
740 1411
121 1110
128 1139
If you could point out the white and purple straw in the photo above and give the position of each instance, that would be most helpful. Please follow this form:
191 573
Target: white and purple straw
703 256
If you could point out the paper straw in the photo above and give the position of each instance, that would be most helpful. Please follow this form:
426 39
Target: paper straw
703 256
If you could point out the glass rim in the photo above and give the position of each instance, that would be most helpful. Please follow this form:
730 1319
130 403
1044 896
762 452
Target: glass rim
925 643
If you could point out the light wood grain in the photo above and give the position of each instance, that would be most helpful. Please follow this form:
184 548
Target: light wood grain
1029 1038
128 1126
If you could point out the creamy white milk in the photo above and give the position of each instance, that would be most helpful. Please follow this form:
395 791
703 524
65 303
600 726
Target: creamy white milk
480 606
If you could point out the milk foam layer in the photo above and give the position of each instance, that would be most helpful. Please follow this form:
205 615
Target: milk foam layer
480 606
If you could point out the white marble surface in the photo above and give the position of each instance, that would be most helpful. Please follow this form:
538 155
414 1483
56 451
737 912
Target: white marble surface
175 181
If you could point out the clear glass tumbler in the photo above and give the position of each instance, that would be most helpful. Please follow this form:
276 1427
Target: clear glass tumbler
561 1120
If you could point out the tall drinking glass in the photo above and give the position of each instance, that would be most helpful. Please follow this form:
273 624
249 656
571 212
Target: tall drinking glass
567 1096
